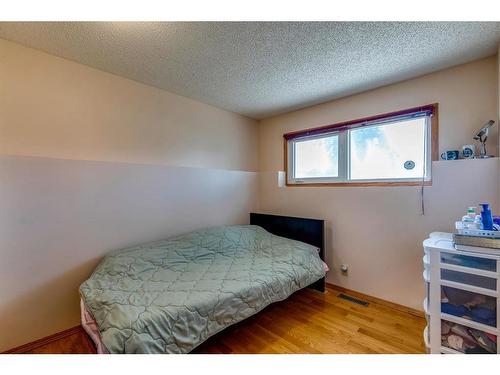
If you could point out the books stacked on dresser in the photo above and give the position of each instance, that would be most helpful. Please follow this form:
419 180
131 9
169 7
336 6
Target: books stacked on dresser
476 240
478 233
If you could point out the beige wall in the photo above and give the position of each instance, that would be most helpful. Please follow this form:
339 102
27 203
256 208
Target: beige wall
378 231
75 185
91 162
52 107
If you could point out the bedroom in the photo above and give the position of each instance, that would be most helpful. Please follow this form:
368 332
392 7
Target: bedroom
243 188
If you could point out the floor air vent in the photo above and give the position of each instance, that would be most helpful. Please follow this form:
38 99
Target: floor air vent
353 299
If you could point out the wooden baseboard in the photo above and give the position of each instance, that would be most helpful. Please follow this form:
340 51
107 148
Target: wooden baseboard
44 341
379 301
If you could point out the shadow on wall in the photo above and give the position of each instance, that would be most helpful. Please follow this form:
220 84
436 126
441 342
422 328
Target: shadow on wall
54 303
329 250
57 217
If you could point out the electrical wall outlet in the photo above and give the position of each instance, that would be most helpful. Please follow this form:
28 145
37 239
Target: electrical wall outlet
344 268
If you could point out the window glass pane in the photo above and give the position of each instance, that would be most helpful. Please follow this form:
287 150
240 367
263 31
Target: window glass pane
381 151
316 158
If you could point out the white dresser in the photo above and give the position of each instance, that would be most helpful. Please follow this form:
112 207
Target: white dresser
461 305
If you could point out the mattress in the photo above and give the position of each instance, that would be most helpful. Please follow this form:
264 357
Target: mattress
172 295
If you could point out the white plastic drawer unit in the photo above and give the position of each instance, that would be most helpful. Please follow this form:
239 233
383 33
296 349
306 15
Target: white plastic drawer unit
461 305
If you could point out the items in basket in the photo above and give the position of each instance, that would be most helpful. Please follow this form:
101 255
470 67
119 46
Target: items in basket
467 340
469 305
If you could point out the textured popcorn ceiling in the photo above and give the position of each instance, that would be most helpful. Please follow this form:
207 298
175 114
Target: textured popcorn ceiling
262 69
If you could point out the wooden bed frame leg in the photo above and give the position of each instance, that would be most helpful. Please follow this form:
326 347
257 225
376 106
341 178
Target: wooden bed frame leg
319 285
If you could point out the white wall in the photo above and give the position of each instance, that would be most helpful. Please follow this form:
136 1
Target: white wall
378 231
91 162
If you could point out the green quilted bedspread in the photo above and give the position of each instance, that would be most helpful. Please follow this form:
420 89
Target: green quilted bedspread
171 295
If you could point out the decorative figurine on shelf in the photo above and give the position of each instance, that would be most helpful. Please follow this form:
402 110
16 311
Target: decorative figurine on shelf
482 136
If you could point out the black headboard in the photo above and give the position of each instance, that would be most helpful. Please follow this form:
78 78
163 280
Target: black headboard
310 231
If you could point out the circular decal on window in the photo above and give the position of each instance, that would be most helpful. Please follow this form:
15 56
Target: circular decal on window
409 164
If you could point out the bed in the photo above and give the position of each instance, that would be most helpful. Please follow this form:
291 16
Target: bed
170 296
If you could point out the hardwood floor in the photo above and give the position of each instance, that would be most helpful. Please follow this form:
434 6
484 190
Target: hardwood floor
307 322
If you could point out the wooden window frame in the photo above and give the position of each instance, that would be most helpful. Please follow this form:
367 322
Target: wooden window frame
346 125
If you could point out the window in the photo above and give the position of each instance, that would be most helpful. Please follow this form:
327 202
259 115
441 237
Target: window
394 148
